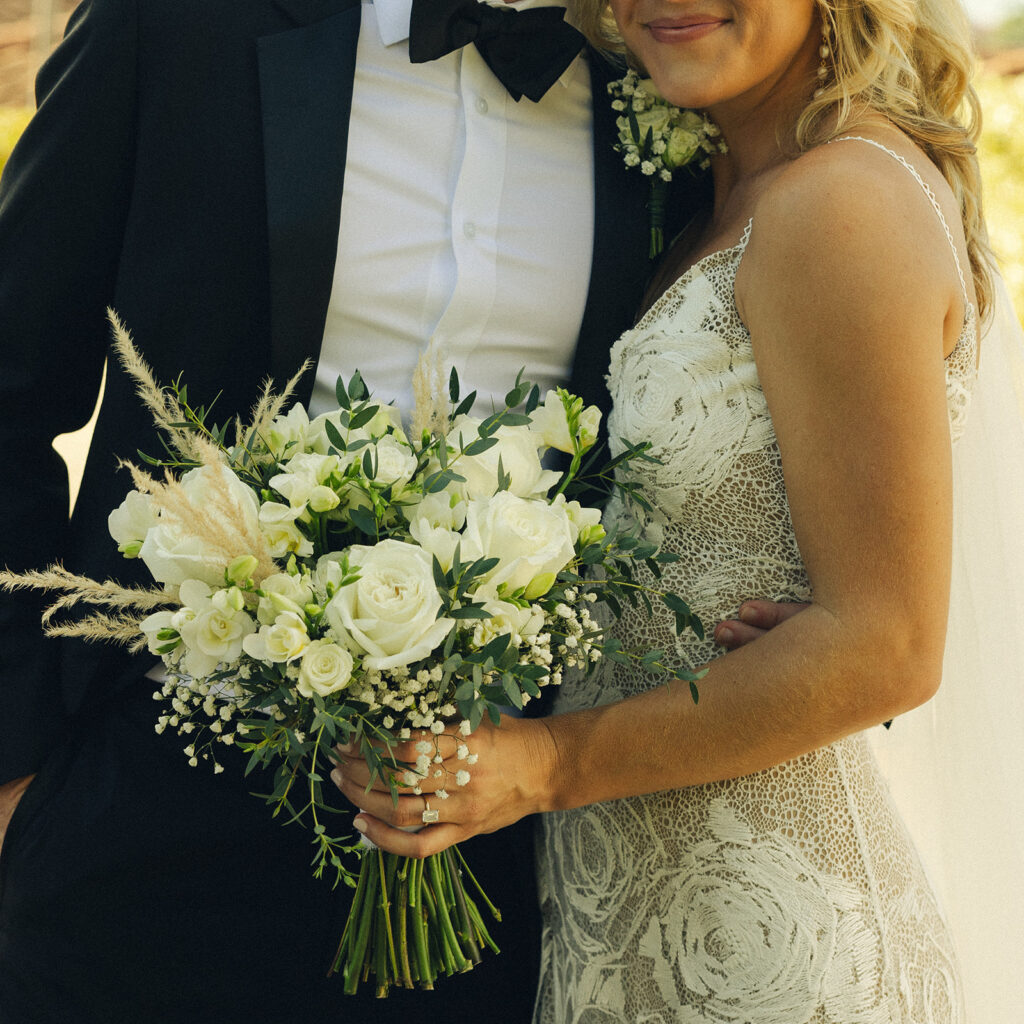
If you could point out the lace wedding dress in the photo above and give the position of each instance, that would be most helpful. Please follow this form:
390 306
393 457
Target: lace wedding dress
790 896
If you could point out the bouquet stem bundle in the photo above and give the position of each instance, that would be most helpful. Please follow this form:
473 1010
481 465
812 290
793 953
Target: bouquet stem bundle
415 919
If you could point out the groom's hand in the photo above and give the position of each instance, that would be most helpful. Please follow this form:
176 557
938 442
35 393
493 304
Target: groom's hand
755 618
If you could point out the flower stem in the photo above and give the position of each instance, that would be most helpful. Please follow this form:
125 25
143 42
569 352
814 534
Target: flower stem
469 945
359 940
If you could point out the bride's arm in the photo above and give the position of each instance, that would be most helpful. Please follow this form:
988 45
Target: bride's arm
850 295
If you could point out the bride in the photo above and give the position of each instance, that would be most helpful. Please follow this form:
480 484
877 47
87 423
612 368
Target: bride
803 371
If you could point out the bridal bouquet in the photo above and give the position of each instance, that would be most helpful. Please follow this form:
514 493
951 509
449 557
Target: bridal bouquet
339 580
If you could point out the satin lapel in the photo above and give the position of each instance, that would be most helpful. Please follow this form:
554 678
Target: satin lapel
306 77
620 267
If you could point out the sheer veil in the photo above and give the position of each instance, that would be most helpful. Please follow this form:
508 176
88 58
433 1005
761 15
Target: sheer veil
956 765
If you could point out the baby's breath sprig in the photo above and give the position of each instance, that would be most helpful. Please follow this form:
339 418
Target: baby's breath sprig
659 139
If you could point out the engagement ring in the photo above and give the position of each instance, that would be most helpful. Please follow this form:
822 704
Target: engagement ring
429 817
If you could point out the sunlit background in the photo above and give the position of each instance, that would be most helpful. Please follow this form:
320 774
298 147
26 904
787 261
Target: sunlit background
30 28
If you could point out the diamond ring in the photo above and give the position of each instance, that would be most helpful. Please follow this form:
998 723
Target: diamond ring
429 817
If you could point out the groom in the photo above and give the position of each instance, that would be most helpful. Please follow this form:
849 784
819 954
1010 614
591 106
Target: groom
250 184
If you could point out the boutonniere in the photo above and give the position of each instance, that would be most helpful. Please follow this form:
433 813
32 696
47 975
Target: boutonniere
659 139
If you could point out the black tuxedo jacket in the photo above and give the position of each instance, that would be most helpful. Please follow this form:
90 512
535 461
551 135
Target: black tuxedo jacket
186 167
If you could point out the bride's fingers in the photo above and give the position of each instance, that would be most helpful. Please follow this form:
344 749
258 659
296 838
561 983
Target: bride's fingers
428 841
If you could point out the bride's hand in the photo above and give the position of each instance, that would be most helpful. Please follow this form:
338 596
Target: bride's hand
508 779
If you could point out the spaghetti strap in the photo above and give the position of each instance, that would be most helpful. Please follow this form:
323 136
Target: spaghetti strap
927 191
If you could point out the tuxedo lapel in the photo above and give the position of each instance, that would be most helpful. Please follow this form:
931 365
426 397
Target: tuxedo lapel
620 265
306 77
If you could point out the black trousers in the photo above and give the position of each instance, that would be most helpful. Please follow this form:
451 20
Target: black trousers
136 889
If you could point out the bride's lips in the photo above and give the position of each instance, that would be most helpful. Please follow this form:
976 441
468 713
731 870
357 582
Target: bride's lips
684 29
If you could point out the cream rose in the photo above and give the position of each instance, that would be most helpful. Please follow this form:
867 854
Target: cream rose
394 462
325 668
284 640
517 450
172 554
531 539
390 612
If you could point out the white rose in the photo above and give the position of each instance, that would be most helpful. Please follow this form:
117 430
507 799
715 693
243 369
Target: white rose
324 669
283 537
681 149
531 539
390 612
283 640
518 451
172 554
131 521
656 120
551 421
294 588
394 461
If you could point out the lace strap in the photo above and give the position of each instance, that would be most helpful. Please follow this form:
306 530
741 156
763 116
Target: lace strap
927 191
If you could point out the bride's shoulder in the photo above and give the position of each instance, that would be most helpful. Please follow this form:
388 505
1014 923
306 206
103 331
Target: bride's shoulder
849 201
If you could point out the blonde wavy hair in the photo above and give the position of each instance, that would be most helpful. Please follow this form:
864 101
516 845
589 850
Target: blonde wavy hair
909 60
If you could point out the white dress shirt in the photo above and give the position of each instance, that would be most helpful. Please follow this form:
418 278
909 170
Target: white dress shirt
465 215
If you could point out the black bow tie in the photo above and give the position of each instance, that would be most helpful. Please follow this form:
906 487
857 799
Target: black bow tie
526 50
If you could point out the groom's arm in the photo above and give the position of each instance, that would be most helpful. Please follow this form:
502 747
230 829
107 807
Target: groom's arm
63 203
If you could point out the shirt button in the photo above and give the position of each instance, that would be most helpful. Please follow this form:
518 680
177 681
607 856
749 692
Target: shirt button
469 229
481 105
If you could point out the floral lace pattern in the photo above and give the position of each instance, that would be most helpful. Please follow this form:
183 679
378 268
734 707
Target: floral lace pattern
791 896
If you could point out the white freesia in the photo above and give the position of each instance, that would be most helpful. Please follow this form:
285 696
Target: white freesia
551 421
518 452
440 508
284 640
325 668
131 521
583 520
302 475
531 540
172 554
154 624
387 419
288 433
295 589
283 537
390 612
436 540
212 625
510 618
